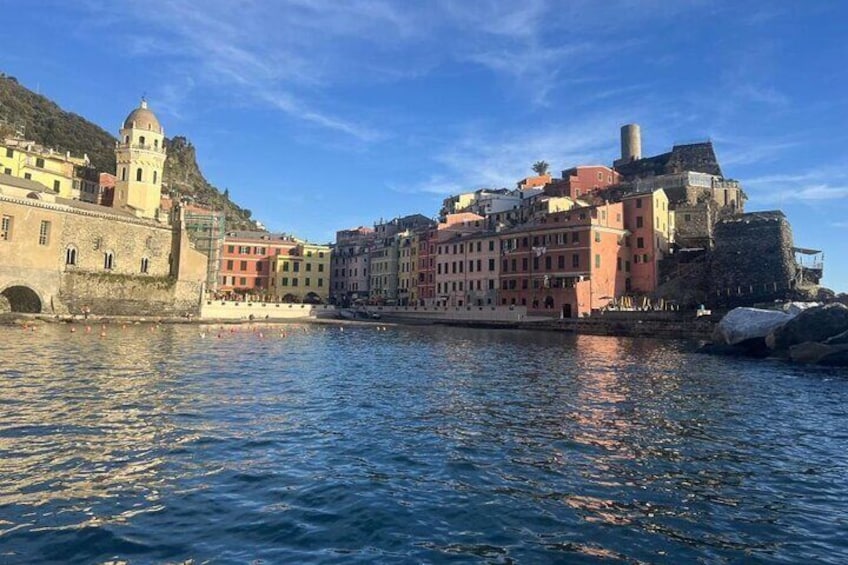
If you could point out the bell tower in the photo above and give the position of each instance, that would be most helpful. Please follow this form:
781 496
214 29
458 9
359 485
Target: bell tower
140 159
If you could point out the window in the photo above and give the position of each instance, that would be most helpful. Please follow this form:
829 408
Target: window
230 265
39 162
320 268
491 245
635 259
138 174
10 153
491 264
309 266
56 186
155 176
687 217
258 267
28 176
123 173
141 140
320 256
284 281
645 258
638 202
548 262
244 249
294 282
44 232
307 282
230 248
597 261
243 266
597 237
296 267
108 260
155 146
145 264
575 237
640 242
575 261
6 228
320 282
639 221
561 262
627 267
71 255
243 281
7 171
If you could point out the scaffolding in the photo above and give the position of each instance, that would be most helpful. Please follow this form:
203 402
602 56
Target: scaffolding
206 231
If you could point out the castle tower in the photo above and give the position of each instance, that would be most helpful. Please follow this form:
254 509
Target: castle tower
140 158
631 143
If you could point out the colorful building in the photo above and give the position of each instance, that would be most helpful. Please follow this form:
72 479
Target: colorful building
650 223
567 263
59 172
248 261
349 279
303 274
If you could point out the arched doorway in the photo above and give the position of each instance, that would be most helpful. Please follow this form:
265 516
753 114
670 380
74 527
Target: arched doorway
22 299
312 298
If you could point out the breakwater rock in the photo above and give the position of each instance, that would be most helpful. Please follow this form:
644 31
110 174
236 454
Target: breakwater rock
809 335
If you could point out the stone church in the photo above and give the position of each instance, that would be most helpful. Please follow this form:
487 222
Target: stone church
60 256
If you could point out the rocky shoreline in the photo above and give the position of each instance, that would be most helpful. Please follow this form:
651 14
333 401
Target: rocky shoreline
798 332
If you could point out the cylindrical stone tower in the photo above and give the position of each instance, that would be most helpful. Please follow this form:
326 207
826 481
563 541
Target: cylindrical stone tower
631 143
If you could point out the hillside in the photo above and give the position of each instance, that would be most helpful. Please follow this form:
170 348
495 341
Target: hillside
44 122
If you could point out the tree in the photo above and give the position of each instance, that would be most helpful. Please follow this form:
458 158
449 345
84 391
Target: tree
540 167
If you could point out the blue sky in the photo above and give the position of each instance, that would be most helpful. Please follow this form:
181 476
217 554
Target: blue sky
321 115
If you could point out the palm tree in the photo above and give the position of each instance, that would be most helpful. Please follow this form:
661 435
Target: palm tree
540 167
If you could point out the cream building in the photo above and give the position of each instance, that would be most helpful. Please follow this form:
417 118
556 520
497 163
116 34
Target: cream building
303 275
59 255
140 156
61 173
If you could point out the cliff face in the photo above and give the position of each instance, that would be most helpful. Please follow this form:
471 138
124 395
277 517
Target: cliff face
43 121
182 179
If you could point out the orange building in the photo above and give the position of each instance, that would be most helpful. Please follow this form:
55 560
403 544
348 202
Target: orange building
566 263
534 182
649 222
248 258
577 182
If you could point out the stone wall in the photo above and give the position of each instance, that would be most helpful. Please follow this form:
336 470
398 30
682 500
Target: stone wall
107 294
72 255
753 260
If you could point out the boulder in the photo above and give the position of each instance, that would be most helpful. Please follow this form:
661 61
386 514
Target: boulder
813 324
809 352
795 308
743 324
840 339
819 353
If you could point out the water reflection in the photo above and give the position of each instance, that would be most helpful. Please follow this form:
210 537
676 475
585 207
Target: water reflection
412 444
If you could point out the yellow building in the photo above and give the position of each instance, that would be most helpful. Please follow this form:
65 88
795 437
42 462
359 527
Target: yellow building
28 160
140 157
303 275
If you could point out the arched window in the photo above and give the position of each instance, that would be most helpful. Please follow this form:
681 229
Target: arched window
138 174
71 255
145 264
123 173
127 139
108 260
141 140
155 144
155 176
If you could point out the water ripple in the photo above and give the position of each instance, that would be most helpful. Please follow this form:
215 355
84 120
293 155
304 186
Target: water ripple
309 444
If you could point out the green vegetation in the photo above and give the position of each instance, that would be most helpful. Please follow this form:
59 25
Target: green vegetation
44 122
540 167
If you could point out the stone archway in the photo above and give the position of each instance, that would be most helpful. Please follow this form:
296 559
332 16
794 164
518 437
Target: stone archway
22 299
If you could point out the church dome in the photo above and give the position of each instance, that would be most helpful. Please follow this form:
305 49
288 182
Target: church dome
142 118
